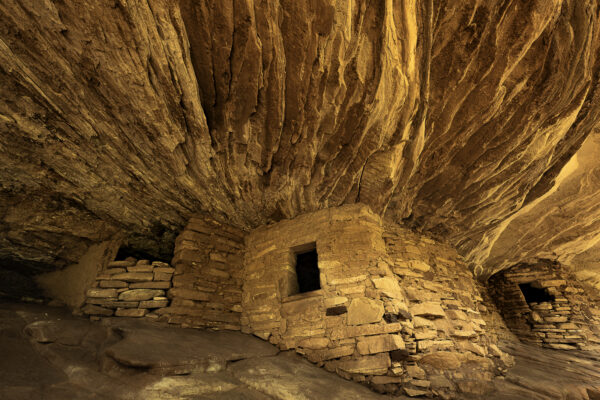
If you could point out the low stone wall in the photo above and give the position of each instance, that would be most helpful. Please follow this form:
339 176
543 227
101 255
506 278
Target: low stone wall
129 288
570 321
207 285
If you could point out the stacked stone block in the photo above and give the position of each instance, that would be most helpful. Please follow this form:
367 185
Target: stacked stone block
566 323
451 348
342 325
129 288
207 283
402 319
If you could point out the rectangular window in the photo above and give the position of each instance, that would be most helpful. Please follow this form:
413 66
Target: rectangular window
307 269
533 294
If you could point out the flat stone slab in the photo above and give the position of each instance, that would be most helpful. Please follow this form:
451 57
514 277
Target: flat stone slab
289 377
169 351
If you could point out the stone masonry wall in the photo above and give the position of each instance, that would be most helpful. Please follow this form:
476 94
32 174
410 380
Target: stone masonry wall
451 348
360 324
129 288
568 322
207 285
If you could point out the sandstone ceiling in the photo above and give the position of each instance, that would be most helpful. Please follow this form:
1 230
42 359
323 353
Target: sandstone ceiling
124 117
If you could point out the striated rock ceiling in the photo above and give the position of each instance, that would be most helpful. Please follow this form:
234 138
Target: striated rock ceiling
124 117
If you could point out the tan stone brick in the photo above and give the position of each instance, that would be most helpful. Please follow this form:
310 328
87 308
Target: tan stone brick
104 293
328 354
443 360
428 309
130 312
150 285
388 287
335 301
379 344
140 294
140 268
364 311
90 309
153 303
369 365
133 276
314 343
161 276
112 284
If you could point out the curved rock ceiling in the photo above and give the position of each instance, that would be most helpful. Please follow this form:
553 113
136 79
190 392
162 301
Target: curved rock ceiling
124 117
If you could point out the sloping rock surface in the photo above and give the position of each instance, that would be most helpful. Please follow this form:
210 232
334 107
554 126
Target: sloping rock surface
49 354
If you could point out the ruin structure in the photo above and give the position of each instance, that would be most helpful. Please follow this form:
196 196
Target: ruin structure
400 192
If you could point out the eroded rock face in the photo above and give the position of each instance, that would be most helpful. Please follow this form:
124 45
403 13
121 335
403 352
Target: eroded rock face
450 115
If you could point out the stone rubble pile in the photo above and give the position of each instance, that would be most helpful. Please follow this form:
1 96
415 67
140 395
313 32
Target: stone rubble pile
129 288
569 321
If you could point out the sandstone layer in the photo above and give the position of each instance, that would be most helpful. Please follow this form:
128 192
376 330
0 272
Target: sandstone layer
123 118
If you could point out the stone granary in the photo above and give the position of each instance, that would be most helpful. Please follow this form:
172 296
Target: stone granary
404 193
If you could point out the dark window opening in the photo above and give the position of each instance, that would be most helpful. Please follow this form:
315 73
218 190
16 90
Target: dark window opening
307 271
535 295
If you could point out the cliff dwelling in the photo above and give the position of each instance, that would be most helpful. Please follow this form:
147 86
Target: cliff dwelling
299 199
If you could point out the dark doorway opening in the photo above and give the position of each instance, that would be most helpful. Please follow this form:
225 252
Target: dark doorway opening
535 295
307 271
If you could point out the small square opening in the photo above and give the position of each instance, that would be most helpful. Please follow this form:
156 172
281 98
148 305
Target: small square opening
307 269
535 295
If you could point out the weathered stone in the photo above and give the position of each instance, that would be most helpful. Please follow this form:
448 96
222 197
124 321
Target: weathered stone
415 392
422 334
140 268
442 360
388 287
140 294
335 301
108 303
101 293
369 365
456 314
130 312
379 344
164 270
419 265
150 285
133 276
328 354
154 303
91 309
415 372
428 309
112 284
364 311
314 343
120 264
162 276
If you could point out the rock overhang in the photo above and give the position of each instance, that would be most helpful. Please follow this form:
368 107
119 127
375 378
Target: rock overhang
138 117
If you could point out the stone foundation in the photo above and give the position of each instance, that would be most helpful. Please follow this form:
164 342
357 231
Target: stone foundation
403 315
129 288
207 285
568 321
